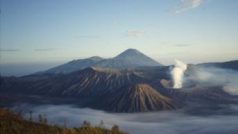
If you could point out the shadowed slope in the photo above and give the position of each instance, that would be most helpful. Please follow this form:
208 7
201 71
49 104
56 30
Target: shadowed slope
138 97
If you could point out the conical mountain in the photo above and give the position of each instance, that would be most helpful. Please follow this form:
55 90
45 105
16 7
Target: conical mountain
137 98
130 58
133 53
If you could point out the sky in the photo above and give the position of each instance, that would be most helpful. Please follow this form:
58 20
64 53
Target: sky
51 32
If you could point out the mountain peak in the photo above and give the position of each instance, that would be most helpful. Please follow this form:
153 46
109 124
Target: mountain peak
136 58
129 52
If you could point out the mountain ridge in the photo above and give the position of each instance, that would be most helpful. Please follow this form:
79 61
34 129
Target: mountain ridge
129 58
74 65
232 64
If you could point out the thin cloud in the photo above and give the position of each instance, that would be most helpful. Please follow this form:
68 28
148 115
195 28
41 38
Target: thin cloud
9 50
188 4
45 49
182 45
135 33
88 36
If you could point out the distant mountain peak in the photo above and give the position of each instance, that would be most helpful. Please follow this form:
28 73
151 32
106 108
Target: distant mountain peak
135 58
132 50
128 53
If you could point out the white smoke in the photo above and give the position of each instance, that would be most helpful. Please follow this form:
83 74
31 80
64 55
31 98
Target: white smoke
231 88
178 73
214 77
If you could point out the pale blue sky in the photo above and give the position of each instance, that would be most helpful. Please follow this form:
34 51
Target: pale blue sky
48 31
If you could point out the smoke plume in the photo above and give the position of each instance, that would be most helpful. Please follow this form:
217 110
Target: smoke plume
214 76
178 73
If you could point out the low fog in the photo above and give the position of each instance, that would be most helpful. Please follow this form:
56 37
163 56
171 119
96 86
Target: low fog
165 122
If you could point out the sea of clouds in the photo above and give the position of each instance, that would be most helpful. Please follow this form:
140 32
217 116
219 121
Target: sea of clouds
164 122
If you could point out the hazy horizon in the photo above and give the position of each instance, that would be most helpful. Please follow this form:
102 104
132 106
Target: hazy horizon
21 69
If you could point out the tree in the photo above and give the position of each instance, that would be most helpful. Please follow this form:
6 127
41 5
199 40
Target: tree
45 121
65 123
30 118
115 129
101 124
40 118
86 124
19 113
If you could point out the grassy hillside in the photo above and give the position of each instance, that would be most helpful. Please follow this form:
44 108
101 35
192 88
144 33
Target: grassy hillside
12 123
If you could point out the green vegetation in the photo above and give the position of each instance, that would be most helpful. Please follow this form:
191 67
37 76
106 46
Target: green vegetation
12 123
